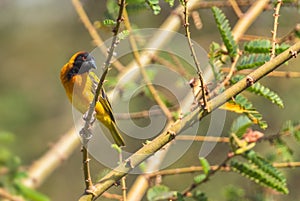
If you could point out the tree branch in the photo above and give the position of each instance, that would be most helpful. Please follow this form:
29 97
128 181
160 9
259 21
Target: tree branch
149 149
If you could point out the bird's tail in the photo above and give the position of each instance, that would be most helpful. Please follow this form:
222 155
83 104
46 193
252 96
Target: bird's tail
116 135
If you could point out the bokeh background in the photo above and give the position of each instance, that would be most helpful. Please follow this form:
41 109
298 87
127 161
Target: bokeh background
38 37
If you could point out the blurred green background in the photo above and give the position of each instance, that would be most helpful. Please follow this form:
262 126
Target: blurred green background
37 39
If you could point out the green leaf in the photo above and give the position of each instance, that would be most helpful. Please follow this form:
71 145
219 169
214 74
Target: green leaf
250 112
263 46
124 34
199 178
182 2
109 22
154 5
240 125
252 61
261 90
170 2
281 48
264 165
258 46
199 195
30 193
225 31
258 176
205 165
179 196
159 192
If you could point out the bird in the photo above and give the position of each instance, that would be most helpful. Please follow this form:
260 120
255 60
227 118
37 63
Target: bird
80 85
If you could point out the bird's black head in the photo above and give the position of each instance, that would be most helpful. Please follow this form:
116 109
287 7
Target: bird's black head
82 63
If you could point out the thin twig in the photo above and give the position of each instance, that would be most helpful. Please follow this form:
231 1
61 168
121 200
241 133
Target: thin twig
193 53
177 66
236 8
85 132
193 169
247 37
197 20
279 134
146 78
203 138
112 196
93 32
123 181
86 169
282 74
231 71
184 170
226 3
143 114
274 32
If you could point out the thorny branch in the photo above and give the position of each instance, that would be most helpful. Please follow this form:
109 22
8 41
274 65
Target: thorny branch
85 132
193 53
274 32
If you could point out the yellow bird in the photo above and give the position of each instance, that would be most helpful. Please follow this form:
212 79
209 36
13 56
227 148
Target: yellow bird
80 86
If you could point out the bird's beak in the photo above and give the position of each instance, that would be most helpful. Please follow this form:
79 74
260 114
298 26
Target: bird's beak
88 64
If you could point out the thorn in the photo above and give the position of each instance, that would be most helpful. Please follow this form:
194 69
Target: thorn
87 160
293 53
172 133
193 82
117 183
128 163
250 81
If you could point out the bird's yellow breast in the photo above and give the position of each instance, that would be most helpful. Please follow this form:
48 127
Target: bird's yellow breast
82 92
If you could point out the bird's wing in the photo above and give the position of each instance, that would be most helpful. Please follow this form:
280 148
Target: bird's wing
103 99
95 80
